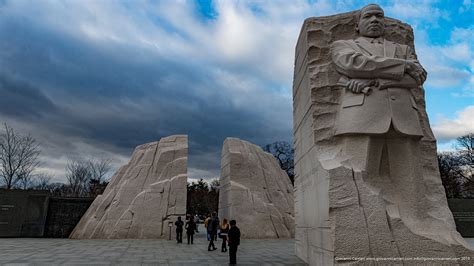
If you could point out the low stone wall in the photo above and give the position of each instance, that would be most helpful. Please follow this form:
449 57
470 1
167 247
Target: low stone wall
33 213
463 213
64 214
23 212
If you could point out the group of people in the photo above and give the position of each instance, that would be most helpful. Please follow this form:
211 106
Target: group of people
227 231
190 226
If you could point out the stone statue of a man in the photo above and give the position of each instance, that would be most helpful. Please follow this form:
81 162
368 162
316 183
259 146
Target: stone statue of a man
378 75
378 116
367 183
378 121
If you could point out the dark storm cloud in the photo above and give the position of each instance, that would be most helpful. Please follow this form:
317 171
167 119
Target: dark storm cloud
118 96
20 99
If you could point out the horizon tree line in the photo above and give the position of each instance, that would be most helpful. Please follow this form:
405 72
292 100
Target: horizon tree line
19 160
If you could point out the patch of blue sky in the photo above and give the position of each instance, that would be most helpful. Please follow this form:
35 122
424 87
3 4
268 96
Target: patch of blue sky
440 34
256 9
206 9
440 102
446 146
161 23
147 16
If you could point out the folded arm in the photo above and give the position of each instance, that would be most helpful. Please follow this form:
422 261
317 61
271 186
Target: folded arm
414 68
390 72
354 64
406 82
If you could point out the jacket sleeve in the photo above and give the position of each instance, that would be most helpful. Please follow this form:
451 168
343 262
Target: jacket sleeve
355 64
412 56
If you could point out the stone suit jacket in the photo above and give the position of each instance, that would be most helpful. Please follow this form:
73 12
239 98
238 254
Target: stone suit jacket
376 112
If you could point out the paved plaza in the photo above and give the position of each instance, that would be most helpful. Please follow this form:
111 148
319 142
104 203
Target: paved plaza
43 251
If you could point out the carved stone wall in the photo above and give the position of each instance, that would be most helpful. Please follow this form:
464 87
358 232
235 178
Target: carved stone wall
255 191
338 214
143 196
23 212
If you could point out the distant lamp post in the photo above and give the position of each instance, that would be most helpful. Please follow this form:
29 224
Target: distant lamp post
170 224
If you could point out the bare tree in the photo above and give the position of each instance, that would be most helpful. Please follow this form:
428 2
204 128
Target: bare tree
465 145
215 184
18 157
25 181
457 168
78 176
448 167
42 182
284 153
86 177
99 168
59 189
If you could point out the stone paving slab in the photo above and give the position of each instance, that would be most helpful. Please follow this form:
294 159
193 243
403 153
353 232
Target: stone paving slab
43 251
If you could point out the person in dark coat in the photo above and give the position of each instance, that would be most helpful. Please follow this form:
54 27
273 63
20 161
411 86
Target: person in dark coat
213 226
190 229
179 230
233 238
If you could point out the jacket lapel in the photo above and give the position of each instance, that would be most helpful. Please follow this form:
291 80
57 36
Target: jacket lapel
389 48
363 44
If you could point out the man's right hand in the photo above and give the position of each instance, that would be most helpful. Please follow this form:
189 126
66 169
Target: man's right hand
357 85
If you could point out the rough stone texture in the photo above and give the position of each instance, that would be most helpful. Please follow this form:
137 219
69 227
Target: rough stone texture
338 211
143 196
255 191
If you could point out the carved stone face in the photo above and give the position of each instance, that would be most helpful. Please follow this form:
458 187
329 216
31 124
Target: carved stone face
371 21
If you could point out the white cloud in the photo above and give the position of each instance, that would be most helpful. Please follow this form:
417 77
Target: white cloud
449 66
417 12
446 146
440 76
195 174
458 52
462 124
57 150
247 54
466 6
462 34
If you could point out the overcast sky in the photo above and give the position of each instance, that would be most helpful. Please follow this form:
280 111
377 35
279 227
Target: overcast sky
92 78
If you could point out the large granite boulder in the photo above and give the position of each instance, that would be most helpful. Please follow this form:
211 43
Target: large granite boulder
346 214
143 196
255 191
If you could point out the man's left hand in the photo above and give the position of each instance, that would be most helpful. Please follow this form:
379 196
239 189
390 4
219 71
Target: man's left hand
416 71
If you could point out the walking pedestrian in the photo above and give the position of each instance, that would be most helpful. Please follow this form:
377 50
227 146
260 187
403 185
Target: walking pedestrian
190 228
234 241
213 224
223 234
179 230
196 220
207 226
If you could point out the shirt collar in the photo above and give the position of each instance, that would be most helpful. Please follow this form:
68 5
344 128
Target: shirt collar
379 40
